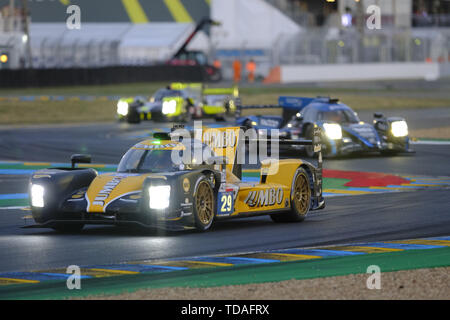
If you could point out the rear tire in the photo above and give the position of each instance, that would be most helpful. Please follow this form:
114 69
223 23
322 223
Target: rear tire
300 199
309 136
204 205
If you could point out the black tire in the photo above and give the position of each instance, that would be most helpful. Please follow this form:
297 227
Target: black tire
133 116
388 153
204 205
220 118
247 124
300 199
309 136
68 227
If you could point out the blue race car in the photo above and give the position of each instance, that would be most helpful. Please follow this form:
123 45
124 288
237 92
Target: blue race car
342 131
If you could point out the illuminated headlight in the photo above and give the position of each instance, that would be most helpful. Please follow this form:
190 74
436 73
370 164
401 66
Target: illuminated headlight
399 128
122 108
159 197
169 107
333 131
37 196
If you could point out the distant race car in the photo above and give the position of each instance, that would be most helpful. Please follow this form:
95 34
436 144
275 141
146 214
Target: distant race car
179 102
149 189
342 131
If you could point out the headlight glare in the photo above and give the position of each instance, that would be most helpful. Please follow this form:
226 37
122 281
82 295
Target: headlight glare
159 197
122 108
169 107
333 131
399 128
37 196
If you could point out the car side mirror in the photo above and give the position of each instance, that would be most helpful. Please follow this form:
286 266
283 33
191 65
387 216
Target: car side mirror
378 115
80 158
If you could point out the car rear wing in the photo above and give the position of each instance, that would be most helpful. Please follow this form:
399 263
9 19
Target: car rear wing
233 91
287 107
316 143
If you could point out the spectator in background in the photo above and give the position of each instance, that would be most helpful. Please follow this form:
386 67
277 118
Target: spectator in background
237 66
217 64
347 18
251 68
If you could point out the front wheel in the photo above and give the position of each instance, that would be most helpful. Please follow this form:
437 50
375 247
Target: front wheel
203 205
300 199
133 116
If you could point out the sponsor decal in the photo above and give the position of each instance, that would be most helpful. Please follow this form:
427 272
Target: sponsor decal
269 122
37 176
107 189
155 146
220 139
186 185
267 197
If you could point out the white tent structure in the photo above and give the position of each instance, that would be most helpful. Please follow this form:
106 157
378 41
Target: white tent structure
249 24
103 44
249 29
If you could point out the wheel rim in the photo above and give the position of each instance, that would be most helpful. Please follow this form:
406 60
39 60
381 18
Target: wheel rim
204 203
302 195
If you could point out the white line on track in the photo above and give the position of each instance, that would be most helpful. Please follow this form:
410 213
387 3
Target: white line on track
431 142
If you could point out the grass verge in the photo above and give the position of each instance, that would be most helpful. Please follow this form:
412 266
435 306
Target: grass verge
71 111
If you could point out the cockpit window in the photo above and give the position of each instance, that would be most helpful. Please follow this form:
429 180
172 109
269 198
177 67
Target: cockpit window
154 161
147 161
160 94
338 116
215 100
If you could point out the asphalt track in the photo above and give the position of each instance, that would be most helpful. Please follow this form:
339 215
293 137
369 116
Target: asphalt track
376 217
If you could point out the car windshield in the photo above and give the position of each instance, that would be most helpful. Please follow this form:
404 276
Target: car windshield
339 116
142 161
154 161
215 100
160 94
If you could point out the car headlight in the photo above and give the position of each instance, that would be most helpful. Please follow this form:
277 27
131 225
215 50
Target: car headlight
159 197
37 196
169 107
399 128
333 130
122 108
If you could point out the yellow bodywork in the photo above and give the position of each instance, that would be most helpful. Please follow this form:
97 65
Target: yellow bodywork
111 186
108 187
271 193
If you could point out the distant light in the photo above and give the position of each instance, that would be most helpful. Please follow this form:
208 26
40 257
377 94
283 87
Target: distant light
4 58
346 20
24 38
341 43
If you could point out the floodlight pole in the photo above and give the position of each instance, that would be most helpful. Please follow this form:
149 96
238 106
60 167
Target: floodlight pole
26 27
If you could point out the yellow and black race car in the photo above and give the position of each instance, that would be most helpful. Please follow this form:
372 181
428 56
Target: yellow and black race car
152 187
180 102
